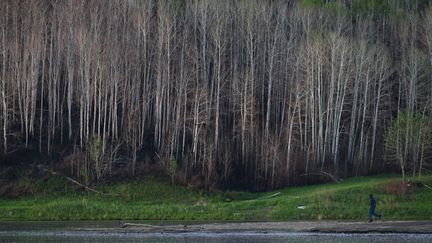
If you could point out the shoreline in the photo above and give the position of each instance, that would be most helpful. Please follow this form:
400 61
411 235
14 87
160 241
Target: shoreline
347 227
415 227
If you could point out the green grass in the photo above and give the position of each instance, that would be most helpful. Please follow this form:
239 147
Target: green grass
156 199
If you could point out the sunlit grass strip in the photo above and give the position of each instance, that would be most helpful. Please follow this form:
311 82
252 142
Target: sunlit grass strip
156 199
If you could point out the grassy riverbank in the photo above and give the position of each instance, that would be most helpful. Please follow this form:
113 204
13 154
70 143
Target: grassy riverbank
156 199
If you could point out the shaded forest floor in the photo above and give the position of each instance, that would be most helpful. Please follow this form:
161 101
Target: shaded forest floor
151 198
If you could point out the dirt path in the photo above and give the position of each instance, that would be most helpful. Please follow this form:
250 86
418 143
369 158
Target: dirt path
297 226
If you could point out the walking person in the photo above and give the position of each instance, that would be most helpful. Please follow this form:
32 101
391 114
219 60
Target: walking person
372 209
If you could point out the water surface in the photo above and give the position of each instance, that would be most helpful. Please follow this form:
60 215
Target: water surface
75 232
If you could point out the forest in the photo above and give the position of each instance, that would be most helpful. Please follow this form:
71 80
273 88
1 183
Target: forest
256 94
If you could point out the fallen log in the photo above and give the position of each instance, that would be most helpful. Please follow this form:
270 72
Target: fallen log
163 228
332 177
273 195
79 184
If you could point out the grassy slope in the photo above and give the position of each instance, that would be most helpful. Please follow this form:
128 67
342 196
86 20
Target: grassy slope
155 199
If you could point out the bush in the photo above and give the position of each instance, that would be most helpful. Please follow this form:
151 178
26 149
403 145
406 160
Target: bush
397 188
97 147
96 154
408 141
172 168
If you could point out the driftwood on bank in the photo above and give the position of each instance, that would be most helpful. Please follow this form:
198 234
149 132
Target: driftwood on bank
272 195
320 173
80 184
163 228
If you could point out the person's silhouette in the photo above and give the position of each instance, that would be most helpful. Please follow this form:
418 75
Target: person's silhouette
372 209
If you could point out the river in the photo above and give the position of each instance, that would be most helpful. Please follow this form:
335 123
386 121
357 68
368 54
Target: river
68 232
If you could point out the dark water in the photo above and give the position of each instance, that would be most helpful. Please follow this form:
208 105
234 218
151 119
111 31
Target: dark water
85 236
71 232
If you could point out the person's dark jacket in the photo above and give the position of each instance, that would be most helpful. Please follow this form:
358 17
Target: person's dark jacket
372 202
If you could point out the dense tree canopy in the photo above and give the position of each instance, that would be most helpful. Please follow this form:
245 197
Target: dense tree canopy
254 93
